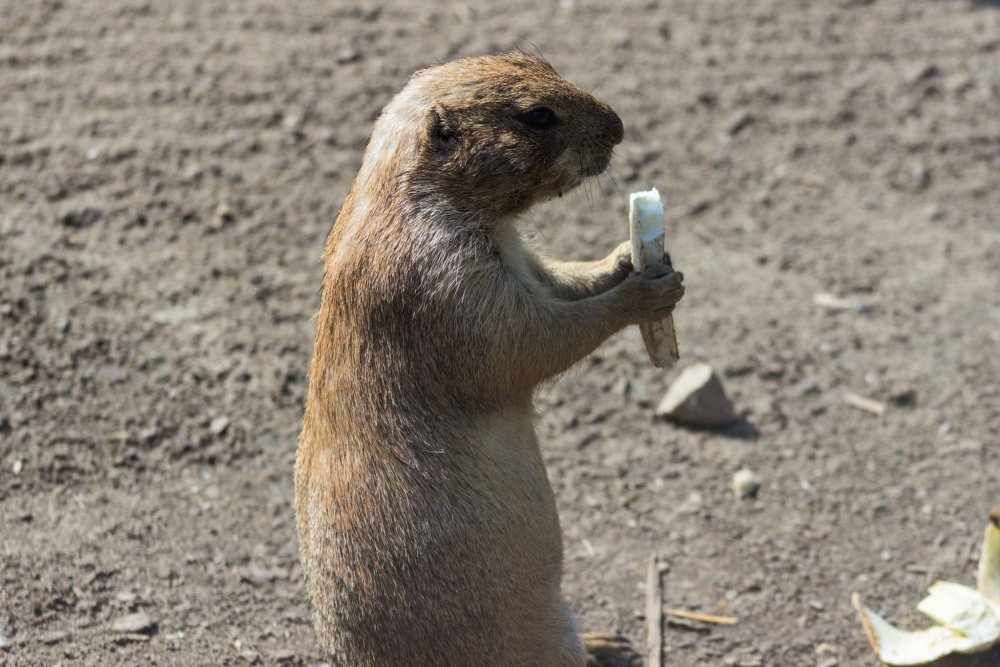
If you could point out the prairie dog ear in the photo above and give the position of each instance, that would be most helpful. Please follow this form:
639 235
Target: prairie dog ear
442 132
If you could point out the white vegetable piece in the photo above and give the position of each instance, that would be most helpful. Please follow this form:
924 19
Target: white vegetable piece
968 620
645 219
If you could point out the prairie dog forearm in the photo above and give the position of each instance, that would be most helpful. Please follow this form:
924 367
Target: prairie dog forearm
573 280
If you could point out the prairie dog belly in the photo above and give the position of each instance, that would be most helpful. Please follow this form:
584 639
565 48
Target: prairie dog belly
472 550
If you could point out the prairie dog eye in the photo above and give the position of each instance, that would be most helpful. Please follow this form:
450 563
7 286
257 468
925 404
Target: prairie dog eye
540 117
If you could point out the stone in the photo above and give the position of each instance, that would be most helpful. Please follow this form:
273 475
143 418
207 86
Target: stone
219 425
746 483
259 576
137 623
696 398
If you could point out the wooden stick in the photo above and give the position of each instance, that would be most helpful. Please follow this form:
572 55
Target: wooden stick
863 403
654 613
704 618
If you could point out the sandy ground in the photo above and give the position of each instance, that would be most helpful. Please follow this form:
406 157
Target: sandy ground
169 170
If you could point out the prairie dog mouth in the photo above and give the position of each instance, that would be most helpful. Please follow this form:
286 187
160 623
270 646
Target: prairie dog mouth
595 168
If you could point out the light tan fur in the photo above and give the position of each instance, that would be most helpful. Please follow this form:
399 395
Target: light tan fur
427 525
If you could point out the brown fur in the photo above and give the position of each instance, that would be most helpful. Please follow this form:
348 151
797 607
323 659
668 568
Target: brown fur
428 528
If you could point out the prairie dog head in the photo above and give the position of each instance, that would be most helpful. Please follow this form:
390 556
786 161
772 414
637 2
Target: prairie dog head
495 135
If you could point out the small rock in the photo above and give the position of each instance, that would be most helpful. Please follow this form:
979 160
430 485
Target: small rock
258 576
149 433
828 662
53 636
345 56
81 218
137 623
746 483
219 425
3 639
696 398
126 597
738 123
921 72
700 207
693 504
284 655
17 466
808 387
245 652
223 215
250 656
824 648
920 177
903 397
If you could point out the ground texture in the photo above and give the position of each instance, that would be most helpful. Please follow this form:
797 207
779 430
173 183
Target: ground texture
168 172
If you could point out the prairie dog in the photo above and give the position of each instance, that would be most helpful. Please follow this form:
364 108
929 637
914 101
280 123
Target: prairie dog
427 525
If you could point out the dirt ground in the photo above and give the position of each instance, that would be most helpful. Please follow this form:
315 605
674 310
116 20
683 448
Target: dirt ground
168 173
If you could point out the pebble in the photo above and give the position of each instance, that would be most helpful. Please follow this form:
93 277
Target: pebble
696 398
245 652
126 597
738 123
904 397
137 623
222 216
746 483
53 636
345 56
258 576
825 648
84 217
219 425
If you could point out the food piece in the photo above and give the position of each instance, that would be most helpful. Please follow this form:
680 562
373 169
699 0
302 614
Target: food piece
900 647
988 578
964 609
968 620
645 219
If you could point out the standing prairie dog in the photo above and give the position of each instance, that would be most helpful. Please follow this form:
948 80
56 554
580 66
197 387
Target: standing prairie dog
427 525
